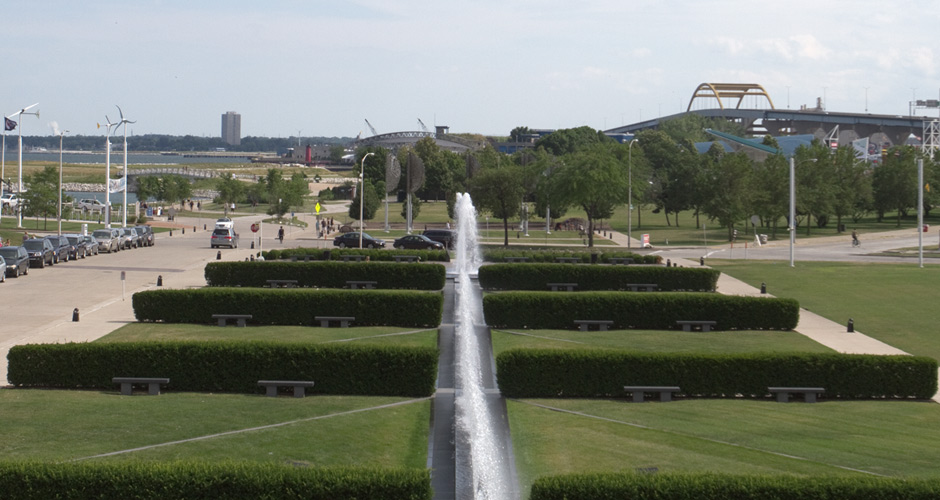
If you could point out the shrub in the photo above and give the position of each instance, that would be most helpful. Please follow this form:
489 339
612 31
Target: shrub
374 255
535 277
326 274
500 254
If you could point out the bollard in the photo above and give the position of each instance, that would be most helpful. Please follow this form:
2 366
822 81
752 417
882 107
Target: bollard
701 260
763 287
218 256
851 326
194 229
668 263
171 232
160 280
203 227
75 314
252 244
184 230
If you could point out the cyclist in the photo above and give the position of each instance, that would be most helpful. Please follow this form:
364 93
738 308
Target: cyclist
855 241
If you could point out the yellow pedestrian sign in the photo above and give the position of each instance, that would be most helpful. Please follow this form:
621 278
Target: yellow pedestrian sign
317 208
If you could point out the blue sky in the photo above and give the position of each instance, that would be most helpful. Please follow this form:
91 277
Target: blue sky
319 68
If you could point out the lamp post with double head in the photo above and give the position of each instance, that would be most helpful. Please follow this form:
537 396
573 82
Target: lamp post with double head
362 192
19 147
630 193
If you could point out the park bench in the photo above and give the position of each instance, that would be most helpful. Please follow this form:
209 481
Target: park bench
665 392
368 285
153 384
405 258
299 386
621 260
517 259
568 260
602 324
354 257
343 320
240 319
294 258
568 287
687 325
783 393
282 283
642 287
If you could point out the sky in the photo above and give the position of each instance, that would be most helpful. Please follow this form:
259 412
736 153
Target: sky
322 67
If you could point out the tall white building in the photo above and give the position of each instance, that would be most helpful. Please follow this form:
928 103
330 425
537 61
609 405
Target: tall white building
232 128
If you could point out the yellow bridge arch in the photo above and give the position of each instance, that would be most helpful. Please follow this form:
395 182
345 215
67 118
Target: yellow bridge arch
719 91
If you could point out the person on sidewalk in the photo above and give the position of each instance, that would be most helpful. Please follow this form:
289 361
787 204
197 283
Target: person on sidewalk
280 234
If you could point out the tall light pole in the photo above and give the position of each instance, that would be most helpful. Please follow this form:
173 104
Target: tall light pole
59 208
124 122
19 187
362 192
792 225
107 169
630 193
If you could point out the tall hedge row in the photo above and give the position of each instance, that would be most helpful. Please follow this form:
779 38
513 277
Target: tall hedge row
526 276
327 274
200 480
673 486
648 310
378 254
293 306
491 254
228 366
538 373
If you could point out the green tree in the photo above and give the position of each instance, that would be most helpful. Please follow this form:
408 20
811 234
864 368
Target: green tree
567 141
231 190
369 208
498 191
852 186
771 191
895 182
593 179
148 187
337 151
727 176
42 194
374 164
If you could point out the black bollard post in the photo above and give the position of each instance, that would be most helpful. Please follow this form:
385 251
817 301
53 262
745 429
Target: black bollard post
218 256
75 314
668 263
763 287
194 229
252 244
184 230
851 326
160 280
203 227
171 232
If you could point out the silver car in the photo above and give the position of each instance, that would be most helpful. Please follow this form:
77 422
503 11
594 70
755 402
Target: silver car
106 240
133 239
222 237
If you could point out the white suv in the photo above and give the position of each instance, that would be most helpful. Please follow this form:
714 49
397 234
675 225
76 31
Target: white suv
90 204
9 200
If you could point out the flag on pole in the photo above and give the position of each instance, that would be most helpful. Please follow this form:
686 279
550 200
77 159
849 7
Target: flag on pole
116 185
861 148
9 124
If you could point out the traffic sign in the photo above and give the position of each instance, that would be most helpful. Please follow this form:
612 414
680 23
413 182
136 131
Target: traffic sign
255 227
317 207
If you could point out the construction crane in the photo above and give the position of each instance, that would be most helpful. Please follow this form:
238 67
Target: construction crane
425 129
371 127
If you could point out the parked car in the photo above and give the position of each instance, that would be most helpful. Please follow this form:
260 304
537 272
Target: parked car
352 240
17 259
133 239
107 242
63 249
122 239
446 237
146 235
3 270
90 204
223 237
79 244
417 242
91 244
225 223
40 252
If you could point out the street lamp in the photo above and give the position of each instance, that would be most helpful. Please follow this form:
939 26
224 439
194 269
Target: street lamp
630 193
19 147
362 192
59 208
792 224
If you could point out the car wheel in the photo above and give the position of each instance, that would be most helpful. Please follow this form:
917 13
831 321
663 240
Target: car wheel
371 245
42 263
342 244
26 271
3 277
16 272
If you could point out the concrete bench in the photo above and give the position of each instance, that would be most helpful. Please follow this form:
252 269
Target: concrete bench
602 324
620 260
405 258
568 260
665 392
241 319
517 259
568 287
270 386
687 325
369 285
642 287
294 258
153 384
355 257
343 320
282 283
783 393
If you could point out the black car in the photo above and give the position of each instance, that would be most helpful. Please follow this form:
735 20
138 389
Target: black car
417 242
79 244
146 235
446 237
351 240
62 247
41 252
17 260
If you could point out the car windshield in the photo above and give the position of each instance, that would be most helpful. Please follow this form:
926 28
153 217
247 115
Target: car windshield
8 252
102 234
73 240
33 244
220 232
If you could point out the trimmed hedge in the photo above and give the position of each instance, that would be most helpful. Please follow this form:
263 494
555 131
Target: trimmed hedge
544 373
292 306
527 276
228 366
647 311
705 486
491 254
378 254
192 480
326 274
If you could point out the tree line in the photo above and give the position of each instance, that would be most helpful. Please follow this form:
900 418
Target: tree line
162 142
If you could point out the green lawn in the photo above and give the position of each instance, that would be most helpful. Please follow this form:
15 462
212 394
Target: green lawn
890 302
657 341
135 332
54 425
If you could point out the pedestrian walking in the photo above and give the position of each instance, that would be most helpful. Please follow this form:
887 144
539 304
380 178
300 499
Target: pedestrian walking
280 234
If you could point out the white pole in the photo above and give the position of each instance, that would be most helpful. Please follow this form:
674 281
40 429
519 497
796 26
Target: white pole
59 208
920 212
362 192
792 224
3 164
19 182
630 194
107 176
124 207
